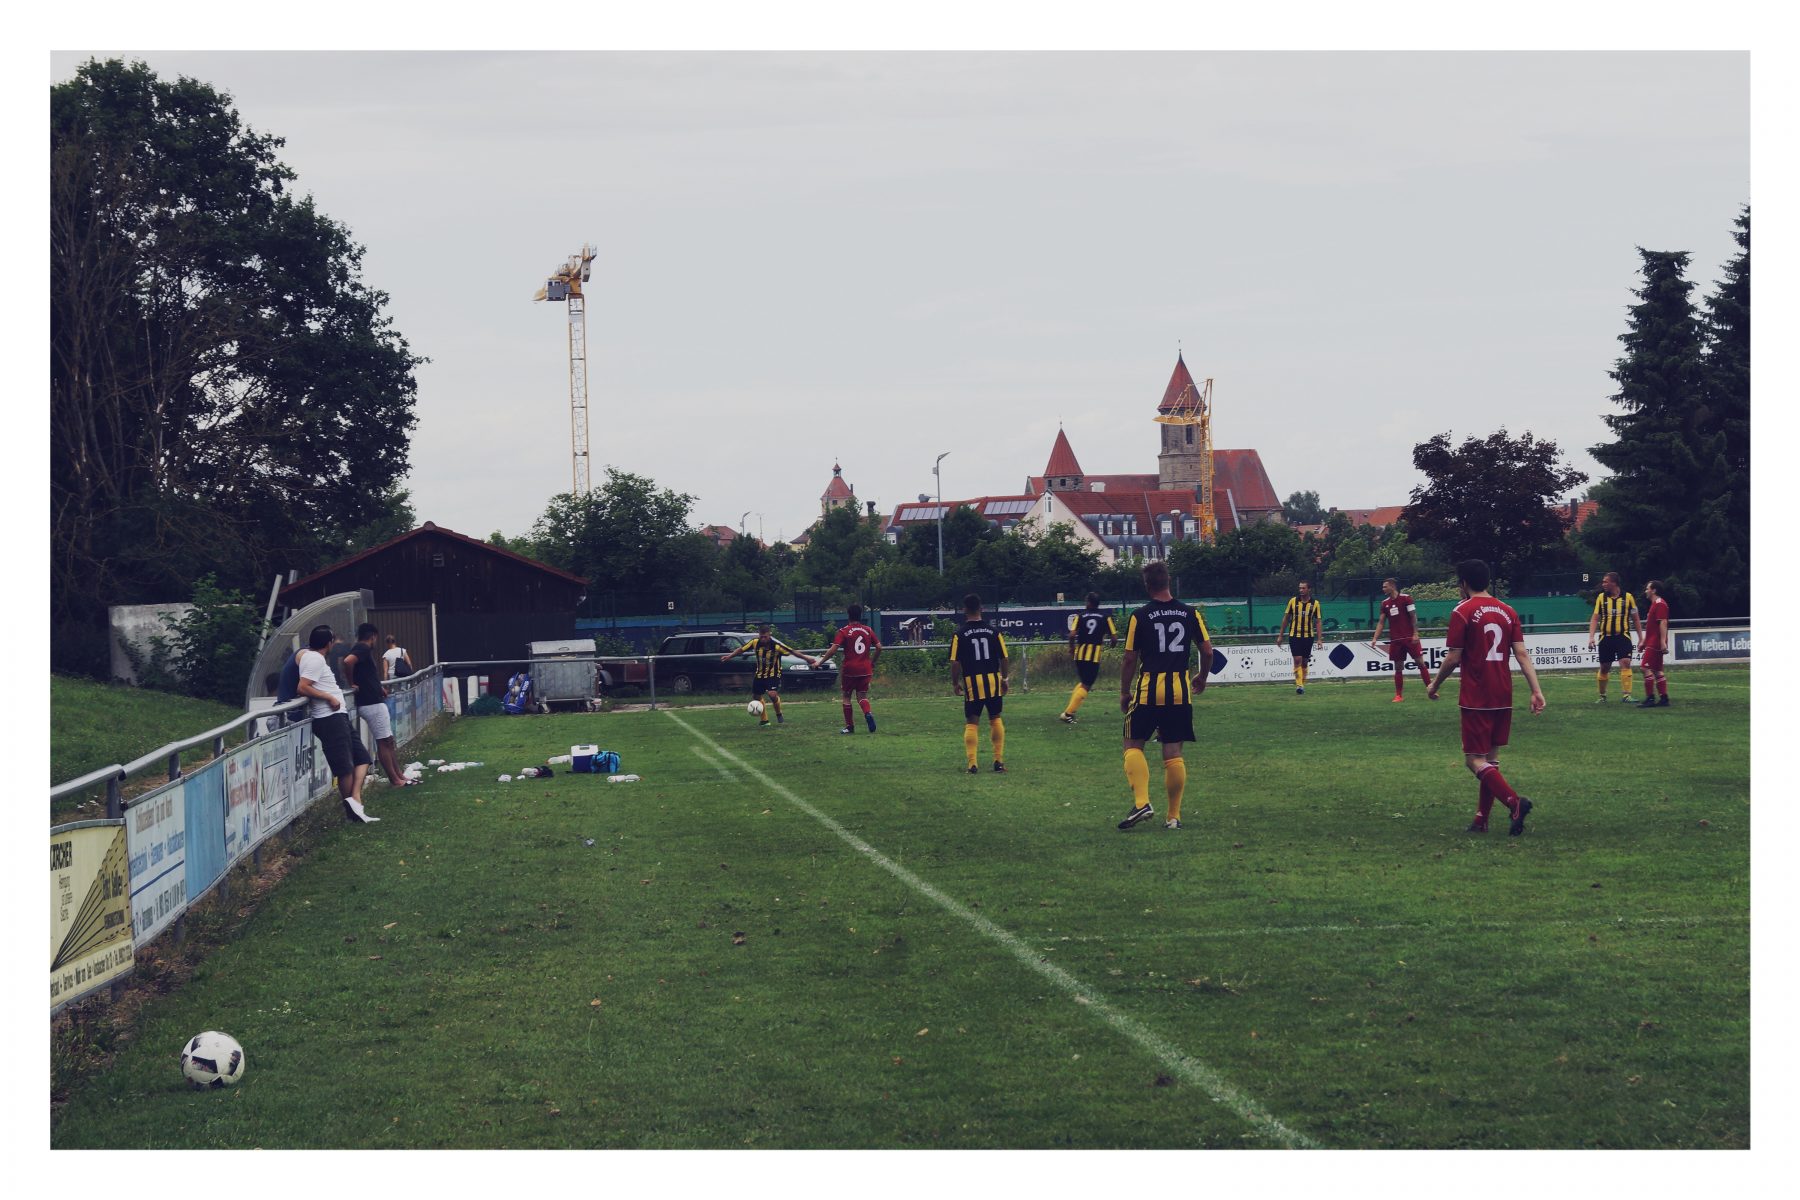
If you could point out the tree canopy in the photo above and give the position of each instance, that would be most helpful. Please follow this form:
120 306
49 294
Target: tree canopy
227 395
1491 498
1303 508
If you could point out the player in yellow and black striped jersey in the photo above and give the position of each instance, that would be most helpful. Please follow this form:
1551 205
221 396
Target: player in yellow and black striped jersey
1615 619
1302 623
768 651
1157 690
1089 630
978 673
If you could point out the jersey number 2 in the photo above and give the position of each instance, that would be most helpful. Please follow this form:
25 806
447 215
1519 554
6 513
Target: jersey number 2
1496 636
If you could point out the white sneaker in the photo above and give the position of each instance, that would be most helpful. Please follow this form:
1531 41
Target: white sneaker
360 813
1171 823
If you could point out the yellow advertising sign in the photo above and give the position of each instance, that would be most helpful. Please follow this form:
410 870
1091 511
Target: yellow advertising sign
90 908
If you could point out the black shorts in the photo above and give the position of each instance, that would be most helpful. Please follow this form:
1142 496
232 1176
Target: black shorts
1300 648
1087 672
759 686
344 751
1613 647
972 708
1169 722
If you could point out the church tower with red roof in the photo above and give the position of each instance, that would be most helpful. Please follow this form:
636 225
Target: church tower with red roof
1062 473
1178 464
838 494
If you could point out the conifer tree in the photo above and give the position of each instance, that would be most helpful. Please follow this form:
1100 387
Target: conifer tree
1677 505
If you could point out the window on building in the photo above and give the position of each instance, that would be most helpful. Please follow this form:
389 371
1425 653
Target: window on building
1190 434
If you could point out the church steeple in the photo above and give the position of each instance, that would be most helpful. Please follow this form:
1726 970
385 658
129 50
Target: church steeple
837 493
1179 465
1062 473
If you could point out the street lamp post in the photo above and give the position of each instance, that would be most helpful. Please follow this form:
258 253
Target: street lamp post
937 470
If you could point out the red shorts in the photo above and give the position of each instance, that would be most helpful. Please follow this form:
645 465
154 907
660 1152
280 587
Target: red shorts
1485 730
1398 650
854 683
1652 660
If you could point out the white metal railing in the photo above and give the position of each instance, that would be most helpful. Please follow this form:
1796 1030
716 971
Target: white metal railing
118 882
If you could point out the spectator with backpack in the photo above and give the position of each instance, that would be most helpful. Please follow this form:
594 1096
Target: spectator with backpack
396 663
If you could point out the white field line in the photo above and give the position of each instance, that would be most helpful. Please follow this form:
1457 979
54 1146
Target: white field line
714 764
1188 1068
1051 939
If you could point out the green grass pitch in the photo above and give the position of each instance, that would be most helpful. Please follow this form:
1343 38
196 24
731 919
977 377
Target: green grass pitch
794 938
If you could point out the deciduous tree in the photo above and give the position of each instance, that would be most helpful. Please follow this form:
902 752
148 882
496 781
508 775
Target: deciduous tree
226 394
1490 498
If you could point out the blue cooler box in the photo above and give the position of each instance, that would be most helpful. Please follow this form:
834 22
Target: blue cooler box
592 760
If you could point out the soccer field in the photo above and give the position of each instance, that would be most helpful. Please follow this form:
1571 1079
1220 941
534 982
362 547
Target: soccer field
788 937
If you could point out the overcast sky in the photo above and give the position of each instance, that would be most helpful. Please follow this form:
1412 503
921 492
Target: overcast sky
876 257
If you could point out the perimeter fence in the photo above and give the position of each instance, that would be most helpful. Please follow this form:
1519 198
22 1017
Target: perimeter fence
121 880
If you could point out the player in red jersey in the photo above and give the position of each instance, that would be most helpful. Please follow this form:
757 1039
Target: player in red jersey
1400 615
1654 645
861 648
1482 631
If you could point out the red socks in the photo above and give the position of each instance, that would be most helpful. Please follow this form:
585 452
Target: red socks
846 712
865 707
1494 787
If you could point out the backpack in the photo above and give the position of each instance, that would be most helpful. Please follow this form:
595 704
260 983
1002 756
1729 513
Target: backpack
402 667
289 686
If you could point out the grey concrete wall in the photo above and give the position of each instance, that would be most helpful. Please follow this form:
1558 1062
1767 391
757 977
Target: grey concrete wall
134 625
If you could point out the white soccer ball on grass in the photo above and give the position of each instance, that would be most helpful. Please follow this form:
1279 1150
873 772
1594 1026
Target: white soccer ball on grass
212 1060
756 709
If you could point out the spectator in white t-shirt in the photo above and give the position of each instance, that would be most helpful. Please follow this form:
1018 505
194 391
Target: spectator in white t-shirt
344 751
396 663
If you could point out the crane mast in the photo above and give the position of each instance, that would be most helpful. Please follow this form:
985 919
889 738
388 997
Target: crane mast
565 286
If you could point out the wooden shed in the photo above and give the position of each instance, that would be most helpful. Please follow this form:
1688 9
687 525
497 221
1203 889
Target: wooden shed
481 601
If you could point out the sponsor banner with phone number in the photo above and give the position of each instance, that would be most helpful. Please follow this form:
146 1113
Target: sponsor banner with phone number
1269 663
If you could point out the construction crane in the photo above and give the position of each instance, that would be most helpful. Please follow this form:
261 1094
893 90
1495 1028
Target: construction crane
1194 407
564 285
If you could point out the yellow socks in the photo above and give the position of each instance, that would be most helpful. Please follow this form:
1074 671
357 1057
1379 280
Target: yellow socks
1174 779
997 731
1601 676
1137 771
1075 698
1624 681
970 738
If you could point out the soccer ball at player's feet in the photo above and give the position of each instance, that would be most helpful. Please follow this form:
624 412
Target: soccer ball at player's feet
212 1060
756 708
1137 816
1518 824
